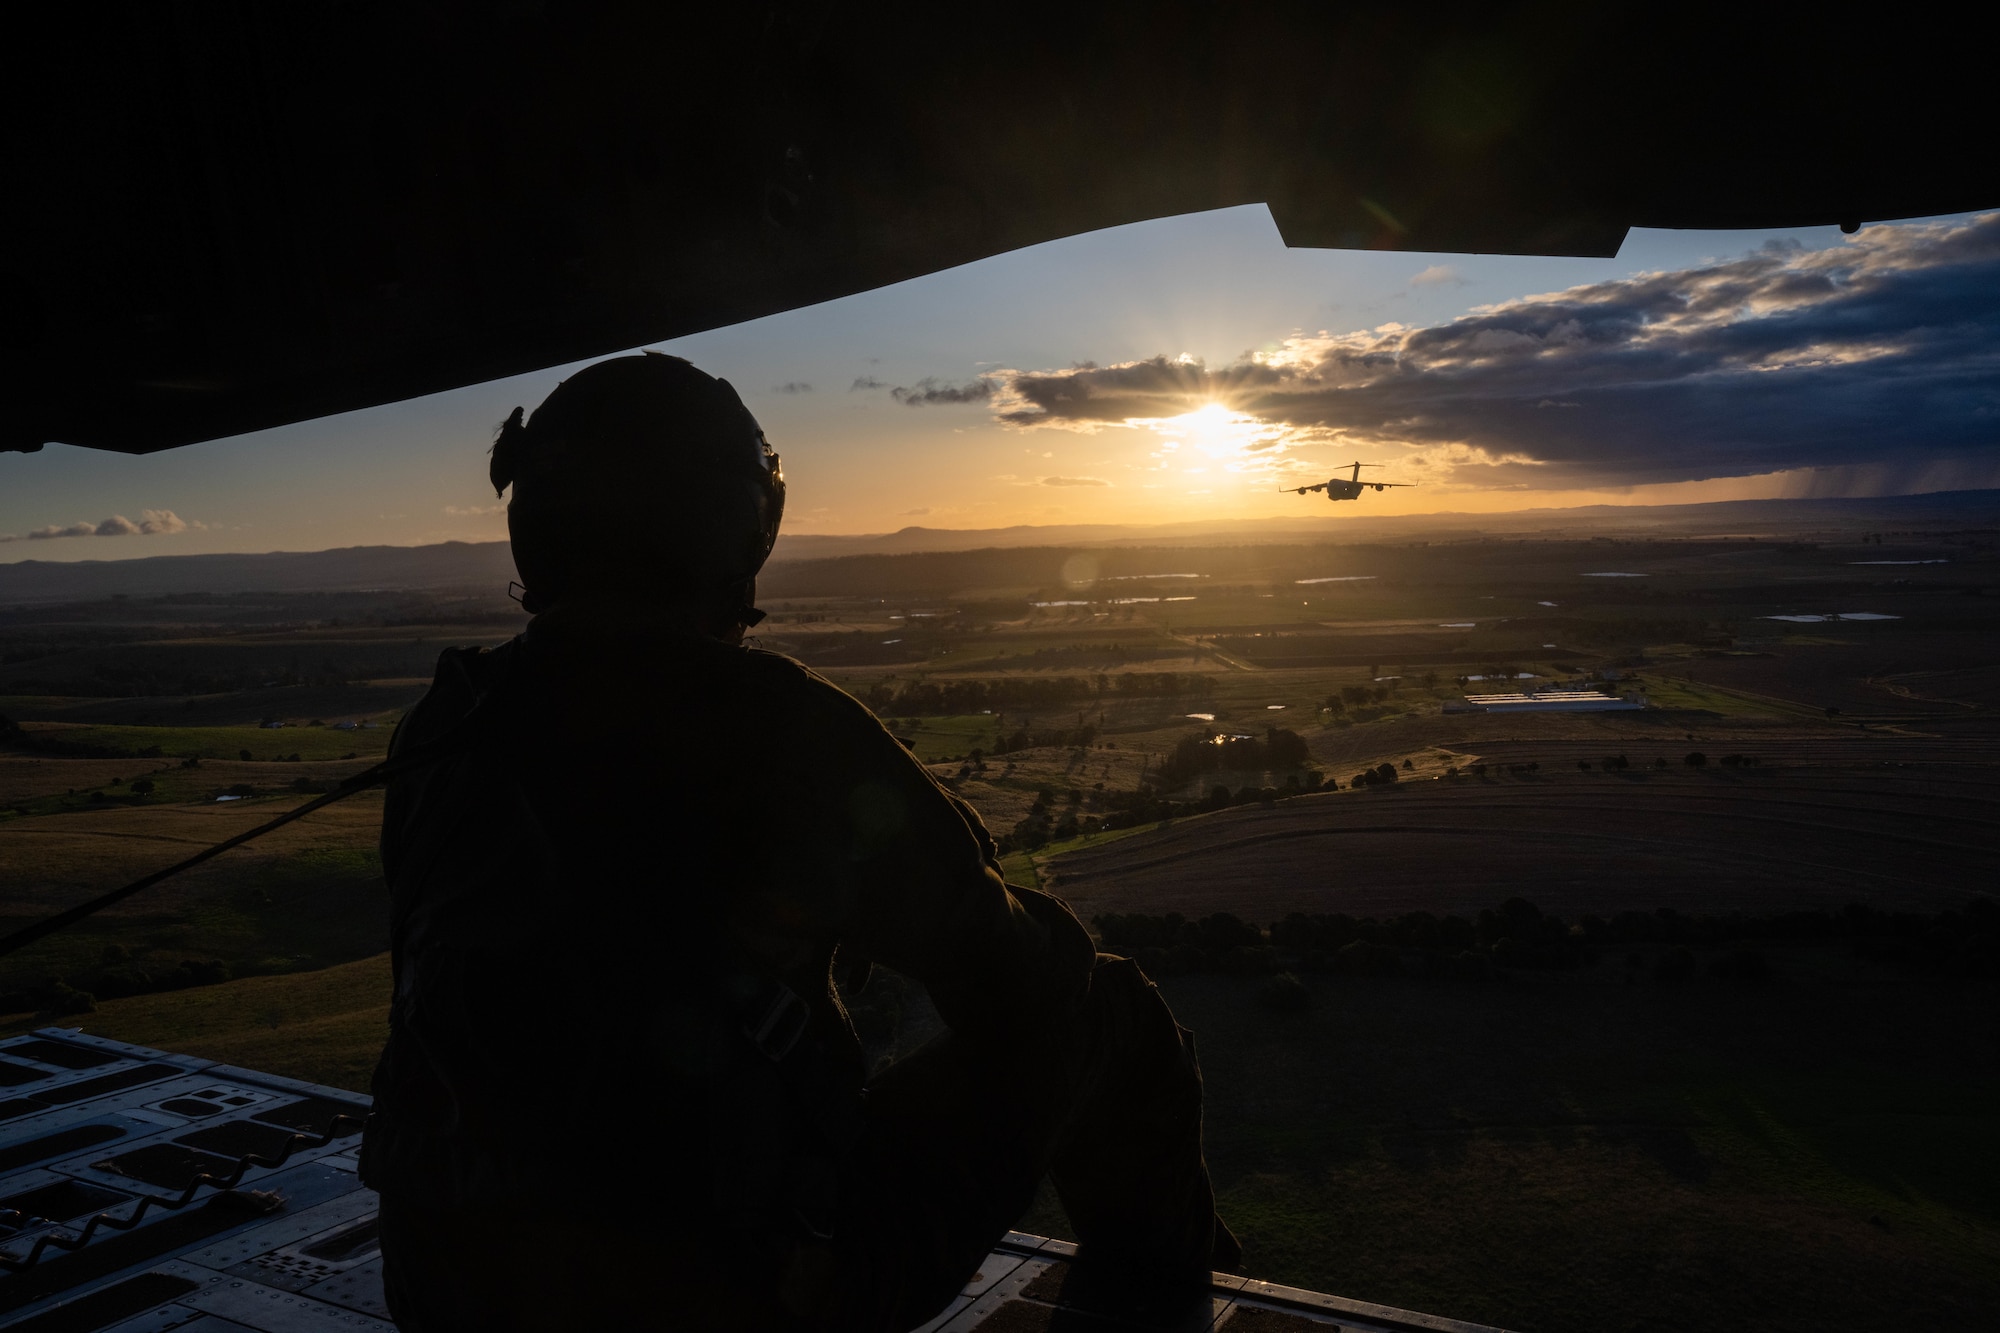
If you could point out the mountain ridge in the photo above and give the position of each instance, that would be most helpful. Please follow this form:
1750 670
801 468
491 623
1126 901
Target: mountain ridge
473 564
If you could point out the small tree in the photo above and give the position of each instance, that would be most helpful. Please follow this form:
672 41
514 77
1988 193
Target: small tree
1695 759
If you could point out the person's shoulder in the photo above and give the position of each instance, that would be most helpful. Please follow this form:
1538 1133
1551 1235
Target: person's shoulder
789 685
463 677
778 677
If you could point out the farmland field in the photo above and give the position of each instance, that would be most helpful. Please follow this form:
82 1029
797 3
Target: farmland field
1763 839
1252 730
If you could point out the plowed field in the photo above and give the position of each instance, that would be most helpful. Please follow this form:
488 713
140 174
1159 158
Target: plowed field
1573 842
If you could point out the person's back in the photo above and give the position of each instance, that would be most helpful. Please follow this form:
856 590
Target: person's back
616 910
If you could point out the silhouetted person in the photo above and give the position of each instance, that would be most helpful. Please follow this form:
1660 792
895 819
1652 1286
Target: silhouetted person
620 1090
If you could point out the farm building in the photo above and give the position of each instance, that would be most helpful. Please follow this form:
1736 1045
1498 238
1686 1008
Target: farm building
1549 701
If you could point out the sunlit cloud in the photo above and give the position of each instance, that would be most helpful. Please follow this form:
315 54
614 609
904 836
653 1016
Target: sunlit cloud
152 523
1439 275
1074 481
1878 358
932 392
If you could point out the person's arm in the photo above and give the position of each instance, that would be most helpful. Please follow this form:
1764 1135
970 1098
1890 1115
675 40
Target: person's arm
907 876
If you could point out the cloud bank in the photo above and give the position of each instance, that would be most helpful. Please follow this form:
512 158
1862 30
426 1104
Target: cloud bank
931 393
152 523
1876 358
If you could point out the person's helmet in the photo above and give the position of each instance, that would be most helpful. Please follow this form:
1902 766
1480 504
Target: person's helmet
640 470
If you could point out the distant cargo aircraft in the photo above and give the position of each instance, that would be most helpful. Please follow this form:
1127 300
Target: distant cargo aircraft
1351 489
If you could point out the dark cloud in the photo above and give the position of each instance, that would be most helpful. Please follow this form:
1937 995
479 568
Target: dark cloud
152 523
793 386
930 393
1881 353
866 382
1073 481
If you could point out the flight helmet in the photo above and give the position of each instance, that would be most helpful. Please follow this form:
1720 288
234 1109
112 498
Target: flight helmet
637 472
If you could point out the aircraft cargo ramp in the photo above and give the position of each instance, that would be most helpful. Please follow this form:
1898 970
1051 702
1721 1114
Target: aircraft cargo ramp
142 1191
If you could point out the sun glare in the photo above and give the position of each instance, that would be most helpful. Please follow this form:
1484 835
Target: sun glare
1214 430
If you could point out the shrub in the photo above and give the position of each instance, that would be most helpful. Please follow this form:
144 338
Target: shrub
1746 965
143 787
1365 958
1216 934
1284 994
1471 965
62 1000
1695 759
1127 934
1673 967
1250 960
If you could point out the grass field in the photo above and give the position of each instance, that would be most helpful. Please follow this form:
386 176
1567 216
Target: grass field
262 743
325 1026
1665 691
1551 1154
1763 839
1574 1155
303 897
936 738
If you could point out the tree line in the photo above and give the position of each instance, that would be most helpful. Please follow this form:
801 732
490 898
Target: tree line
1960 943
941 698
1212 752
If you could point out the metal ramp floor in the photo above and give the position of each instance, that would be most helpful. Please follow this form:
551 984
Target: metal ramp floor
142 1191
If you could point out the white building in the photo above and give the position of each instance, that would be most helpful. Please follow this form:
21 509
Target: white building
1549 701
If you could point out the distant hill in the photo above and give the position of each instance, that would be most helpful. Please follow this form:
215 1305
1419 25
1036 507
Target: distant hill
451 565
489 564
1750 517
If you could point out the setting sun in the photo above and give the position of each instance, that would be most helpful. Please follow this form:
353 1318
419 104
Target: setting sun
1214 437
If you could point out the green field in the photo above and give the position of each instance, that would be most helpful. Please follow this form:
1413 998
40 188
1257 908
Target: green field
1556 1155
933 739
1550 1154
1546 1152
325 1026
212 742
1665 691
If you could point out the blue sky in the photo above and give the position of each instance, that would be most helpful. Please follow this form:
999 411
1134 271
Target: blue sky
1186 368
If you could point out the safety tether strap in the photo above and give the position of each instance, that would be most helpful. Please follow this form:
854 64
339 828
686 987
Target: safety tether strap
443 747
